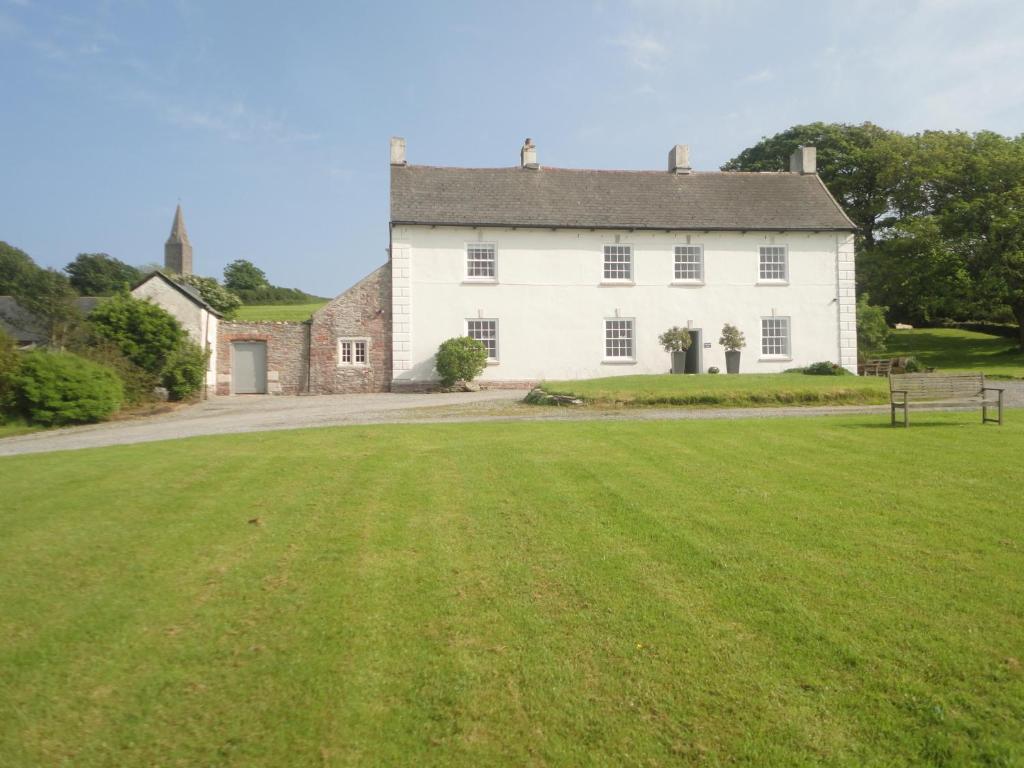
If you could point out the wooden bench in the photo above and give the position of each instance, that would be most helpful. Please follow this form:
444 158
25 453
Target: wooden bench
906 389
880 366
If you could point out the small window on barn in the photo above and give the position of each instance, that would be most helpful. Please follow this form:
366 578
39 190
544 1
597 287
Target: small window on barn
353 352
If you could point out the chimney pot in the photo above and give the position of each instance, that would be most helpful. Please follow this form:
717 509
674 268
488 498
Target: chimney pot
804 160
397 150
679 159
528 155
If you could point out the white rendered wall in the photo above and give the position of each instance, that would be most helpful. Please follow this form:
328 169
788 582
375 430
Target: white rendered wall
198 322
551 302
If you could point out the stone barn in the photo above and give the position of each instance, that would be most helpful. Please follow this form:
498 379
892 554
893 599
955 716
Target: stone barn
345 347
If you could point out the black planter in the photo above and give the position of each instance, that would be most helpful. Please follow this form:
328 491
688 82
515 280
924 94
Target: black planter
732 361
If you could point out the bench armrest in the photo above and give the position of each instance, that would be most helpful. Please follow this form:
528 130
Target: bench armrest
993 389
894 392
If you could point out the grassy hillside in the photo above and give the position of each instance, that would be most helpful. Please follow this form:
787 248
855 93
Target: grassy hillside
950 349
811 591
749 389
295 312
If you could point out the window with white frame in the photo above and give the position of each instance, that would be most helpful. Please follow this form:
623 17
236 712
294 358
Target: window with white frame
486 332
618 339
618 262
481 261
689 262
773 263
775 337
353 351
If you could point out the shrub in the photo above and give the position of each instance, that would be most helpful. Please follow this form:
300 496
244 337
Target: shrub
54 388
138 383
460 359
912 365
145 333
213 293
274 295
713 369
872 330
10 362
824 368
732 338
186 370
151 338
675 339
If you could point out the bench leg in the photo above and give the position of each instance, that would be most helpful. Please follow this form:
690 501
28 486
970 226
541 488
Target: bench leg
892 414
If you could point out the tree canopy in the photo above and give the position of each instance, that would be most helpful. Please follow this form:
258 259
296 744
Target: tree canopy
44 294
97 274
242 275
940 214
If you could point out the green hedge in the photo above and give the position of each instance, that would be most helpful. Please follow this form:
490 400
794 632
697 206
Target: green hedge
55 388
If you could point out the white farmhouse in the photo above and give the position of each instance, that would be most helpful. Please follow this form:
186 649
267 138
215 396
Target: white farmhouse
566 273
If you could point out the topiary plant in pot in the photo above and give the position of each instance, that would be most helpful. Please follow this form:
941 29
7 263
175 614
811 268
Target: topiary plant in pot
676 340
733 341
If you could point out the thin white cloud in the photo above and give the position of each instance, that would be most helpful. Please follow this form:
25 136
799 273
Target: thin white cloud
235 121
644 51
761 76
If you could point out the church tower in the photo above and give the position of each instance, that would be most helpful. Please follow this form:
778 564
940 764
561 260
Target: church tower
177 249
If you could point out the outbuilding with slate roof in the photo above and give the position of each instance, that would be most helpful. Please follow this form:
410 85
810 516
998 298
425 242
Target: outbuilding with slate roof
566 273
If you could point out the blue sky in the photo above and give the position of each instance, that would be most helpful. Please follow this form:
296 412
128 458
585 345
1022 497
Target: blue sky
270 121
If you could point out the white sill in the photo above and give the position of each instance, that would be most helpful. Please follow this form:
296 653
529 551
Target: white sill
611 281
493 362
770 359
480 281
353 365
687 283
772 282
618 361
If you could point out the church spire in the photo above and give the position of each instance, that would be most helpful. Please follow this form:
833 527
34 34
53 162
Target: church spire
178 232
178 249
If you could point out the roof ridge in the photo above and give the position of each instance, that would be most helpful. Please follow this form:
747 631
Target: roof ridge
560 169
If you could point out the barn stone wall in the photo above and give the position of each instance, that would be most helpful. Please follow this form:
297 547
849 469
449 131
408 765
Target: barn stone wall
362 312
286 354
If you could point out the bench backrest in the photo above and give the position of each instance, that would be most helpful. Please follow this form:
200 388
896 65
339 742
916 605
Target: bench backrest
937 386
878 367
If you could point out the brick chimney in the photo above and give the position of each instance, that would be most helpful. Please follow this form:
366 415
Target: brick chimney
804 160
528 155
397 150
679 159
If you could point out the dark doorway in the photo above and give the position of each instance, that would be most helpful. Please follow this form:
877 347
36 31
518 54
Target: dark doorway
689 361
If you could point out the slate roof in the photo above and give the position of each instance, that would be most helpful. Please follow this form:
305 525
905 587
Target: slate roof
24 328
559 197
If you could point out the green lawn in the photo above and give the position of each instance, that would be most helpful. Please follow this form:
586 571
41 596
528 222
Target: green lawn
748 389
950 349
794 592
296 312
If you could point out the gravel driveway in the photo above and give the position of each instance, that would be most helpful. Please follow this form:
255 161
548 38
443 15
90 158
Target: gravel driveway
226 415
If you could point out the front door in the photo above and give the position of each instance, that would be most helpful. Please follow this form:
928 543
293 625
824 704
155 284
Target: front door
693 354
249 367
